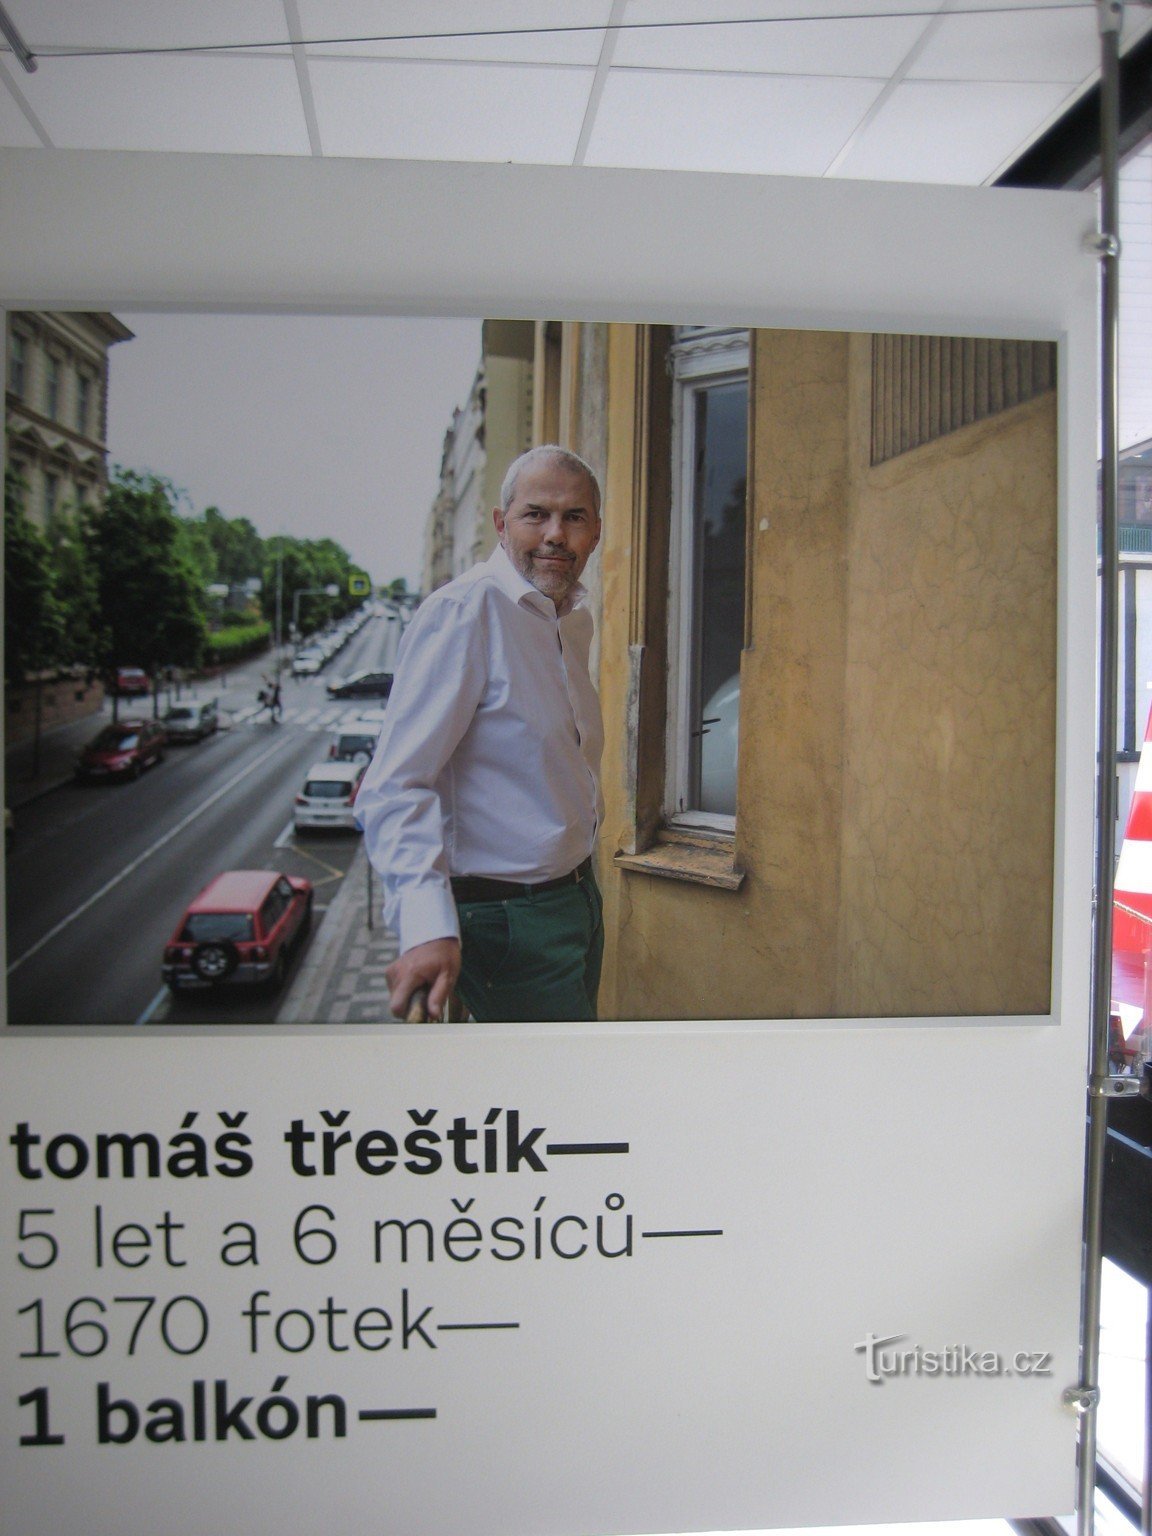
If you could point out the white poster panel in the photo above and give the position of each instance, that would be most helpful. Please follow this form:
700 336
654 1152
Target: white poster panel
622 1279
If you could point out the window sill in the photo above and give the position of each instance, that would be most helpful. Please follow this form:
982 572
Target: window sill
698 857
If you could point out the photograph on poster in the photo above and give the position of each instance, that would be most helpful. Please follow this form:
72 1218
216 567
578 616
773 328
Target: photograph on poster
824 600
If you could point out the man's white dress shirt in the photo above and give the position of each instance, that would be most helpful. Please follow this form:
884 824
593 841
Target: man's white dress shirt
489 760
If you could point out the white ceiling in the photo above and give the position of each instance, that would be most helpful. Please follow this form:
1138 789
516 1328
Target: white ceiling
908 90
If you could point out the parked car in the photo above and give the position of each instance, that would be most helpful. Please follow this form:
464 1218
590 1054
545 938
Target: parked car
361 685
355 741
241 930
328 796
308 663
123 750
131 682
192 719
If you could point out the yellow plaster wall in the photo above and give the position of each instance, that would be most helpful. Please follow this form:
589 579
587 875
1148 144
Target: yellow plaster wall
897 716
946 895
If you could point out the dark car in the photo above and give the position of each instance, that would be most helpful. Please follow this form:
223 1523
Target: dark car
123 750
362 685
241 929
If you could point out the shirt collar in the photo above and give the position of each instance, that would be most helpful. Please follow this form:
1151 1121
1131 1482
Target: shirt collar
521 590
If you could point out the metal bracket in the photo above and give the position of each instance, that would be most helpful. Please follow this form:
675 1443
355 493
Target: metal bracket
1082 1399
1115 1087
1097 243
1109 15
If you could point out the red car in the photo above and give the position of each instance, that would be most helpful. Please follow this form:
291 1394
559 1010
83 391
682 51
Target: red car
123 750
131 682
241 928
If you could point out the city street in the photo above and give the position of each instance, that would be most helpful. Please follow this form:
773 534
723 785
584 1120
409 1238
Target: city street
99 874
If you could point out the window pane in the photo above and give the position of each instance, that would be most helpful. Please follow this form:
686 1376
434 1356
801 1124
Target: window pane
719 493
17 362
52 388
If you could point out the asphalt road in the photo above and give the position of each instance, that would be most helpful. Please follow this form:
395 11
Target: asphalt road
101 873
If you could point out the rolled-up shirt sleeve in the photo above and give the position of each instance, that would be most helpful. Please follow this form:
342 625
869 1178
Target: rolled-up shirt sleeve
440 681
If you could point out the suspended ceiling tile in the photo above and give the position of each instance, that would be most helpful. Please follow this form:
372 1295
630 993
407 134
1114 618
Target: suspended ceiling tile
944 131
147 23
345 19
228 105
752 41
713 122
431 111
1045 45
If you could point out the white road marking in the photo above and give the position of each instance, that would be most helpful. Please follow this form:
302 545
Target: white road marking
151 1008
129 869
285 838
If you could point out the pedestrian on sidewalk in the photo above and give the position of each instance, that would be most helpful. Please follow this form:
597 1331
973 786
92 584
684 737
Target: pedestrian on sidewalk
481 805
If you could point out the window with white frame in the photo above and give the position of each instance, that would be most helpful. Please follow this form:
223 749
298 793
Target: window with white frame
706 607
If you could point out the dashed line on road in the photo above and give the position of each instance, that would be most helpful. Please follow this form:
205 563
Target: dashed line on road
110 885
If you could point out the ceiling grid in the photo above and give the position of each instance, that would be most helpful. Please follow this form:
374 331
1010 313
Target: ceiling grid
925 90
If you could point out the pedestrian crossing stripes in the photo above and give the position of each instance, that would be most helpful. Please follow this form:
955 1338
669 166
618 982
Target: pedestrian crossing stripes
321 718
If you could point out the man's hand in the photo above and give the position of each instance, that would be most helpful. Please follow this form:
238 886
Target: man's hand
434 965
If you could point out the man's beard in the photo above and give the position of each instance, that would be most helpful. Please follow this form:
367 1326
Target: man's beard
552 581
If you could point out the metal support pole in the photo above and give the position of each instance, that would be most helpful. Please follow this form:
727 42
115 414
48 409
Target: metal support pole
17 44
279 613
1109 15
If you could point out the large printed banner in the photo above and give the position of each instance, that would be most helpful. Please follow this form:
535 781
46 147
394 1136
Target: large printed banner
410 1285
619 1279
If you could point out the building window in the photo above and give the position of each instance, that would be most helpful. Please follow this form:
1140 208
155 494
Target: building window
52 387
51 498
709 494
17 364
83 401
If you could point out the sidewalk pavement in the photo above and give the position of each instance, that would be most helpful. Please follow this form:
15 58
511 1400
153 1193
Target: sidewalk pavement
341 979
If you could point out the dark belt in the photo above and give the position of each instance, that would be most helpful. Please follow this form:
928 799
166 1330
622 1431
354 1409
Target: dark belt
479 888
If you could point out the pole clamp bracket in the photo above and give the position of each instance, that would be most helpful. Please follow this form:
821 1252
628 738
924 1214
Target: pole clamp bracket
1115 1087
1097 243
1082 1399
1109 15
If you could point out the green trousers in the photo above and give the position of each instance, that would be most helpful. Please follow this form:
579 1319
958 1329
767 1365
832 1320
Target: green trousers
534 958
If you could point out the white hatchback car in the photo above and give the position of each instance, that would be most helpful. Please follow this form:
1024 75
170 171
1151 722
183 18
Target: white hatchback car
328 797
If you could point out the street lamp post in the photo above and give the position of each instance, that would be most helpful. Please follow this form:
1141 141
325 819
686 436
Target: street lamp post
331 590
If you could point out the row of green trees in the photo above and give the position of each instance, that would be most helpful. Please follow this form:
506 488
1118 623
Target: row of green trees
127 584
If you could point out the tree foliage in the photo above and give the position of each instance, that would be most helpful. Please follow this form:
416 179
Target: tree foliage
34 618
151 596
125 584
302 568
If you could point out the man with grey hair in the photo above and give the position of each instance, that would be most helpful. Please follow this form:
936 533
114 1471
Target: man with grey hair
481 805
